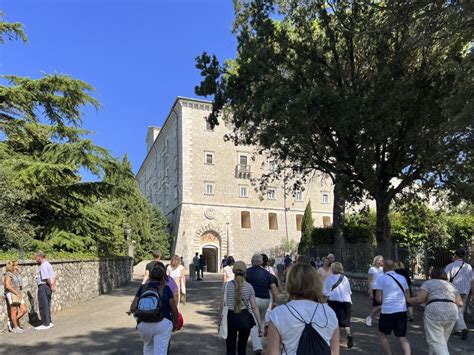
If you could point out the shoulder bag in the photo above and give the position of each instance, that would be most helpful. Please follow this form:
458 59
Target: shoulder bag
223 321
451 279
399 285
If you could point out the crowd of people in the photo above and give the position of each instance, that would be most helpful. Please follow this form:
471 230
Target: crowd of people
320 302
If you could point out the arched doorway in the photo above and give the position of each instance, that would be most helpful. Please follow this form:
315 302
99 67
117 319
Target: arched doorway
210 254
210 244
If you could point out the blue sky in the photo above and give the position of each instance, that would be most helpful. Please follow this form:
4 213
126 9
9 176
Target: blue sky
138 54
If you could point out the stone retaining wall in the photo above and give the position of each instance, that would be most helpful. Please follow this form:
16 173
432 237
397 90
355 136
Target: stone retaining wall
77 281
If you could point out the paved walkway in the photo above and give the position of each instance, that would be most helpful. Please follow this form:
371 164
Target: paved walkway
101 326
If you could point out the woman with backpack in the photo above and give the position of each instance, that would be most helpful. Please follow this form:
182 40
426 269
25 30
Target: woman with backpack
338 291
156 312
238 296
305 325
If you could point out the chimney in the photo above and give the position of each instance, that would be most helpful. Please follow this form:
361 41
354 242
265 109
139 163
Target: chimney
151 136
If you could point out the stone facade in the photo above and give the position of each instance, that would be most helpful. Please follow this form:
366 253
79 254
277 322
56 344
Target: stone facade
204 187
77 281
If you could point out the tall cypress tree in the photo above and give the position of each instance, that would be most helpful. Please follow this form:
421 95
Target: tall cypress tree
306 230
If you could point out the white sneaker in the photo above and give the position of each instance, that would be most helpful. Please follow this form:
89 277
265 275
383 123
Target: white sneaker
51 325
41 327
18 330
368 321
10 328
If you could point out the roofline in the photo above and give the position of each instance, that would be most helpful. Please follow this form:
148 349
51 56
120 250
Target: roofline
166 121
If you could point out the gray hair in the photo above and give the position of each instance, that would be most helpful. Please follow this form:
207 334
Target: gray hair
257 259
40 254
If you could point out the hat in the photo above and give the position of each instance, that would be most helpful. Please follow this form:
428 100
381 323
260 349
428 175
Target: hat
460 253
239 267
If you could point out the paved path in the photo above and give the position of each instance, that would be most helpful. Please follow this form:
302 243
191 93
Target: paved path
101 326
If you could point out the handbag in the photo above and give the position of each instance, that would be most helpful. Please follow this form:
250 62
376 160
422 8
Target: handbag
222 333
16 300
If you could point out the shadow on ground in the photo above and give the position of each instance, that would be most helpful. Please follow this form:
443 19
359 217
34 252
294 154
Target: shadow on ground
107 341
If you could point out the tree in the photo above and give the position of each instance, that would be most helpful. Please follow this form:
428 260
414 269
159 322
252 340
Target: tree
376 94
45 202
307 226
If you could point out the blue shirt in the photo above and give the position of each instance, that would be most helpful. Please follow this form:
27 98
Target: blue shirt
45 272
167 296
261 281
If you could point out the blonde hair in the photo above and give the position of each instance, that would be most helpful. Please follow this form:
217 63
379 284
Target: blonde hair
175 262
303 281
337 268
10 267
238 284
377 258
399 265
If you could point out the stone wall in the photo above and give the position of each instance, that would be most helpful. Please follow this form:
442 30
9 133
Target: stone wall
77 281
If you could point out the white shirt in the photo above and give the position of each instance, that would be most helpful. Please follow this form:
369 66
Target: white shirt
463 279
175 273
290 328
393 298
342 293
229 272
376 272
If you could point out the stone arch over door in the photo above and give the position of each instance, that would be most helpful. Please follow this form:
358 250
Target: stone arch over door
208 243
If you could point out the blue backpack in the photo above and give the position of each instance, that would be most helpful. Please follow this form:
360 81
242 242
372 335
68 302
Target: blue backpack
150 304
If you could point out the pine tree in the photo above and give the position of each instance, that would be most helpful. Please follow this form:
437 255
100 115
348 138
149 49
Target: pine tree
307 227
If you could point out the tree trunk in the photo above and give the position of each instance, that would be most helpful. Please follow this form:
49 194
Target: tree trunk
382 227
339 207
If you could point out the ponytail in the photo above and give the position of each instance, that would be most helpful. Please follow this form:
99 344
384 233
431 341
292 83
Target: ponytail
238 283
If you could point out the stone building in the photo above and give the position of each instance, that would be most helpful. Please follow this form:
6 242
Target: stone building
203 186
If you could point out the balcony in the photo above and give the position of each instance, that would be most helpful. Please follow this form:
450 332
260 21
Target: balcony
243 171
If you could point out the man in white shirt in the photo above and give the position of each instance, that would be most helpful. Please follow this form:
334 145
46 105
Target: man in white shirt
392 290
461 276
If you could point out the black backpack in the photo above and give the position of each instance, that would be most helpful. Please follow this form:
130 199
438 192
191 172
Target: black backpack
150 304
311 342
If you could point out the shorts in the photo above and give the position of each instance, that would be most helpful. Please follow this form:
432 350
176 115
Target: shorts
374 301
8 296
343 312
396 322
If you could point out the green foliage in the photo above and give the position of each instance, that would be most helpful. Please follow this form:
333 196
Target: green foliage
322 236
375 93
360 227
288 246
307 226
45 203
15 255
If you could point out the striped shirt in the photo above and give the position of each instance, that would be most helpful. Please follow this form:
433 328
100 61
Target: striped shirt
463 279
247 292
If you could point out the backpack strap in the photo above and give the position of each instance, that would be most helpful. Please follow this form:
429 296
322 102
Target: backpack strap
338 282
301 319
399 285
452 278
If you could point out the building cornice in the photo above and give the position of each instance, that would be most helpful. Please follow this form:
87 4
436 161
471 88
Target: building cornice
173 107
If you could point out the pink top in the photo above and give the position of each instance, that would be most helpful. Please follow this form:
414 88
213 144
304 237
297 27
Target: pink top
323 273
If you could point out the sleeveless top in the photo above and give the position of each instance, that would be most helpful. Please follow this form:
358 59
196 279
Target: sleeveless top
16 281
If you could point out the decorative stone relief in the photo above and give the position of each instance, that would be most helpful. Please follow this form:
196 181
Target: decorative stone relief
210 213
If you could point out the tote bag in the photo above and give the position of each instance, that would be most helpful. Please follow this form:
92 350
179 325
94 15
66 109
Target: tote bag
223 323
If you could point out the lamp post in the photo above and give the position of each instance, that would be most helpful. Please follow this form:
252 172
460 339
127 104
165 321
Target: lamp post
128 232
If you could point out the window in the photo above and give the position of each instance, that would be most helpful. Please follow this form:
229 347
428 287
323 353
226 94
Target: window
209 188
167 145
298 196
325 198
326 222
271 194
272 221
243 160
271 165
245 219
299 221
208 125
209 158
243 191
167 172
